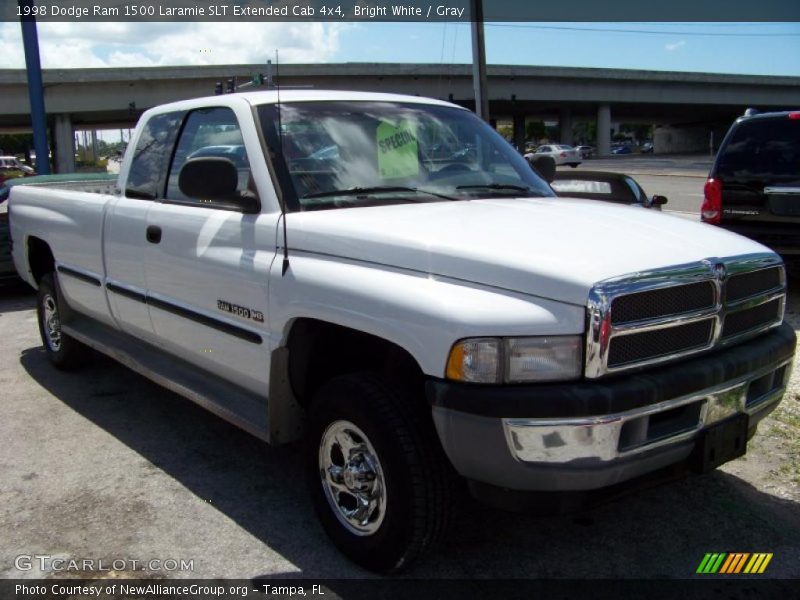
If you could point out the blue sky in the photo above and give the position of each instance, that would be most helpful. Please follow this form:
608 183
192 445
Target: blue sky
752 48
756 48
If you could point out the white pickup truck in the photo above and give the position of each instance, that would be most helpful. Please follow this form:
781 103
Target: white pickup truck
436 312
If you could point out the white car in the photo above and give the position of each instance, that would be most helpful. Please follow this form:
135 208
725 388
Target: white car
561 153
12 162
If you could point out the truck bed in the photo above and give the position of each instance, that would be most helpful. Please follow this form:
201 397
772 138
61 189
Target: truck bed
94 183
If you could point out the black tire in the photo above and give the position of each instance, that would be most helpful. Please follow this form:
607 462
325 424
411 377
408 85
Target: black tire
409 469
64 352
574 165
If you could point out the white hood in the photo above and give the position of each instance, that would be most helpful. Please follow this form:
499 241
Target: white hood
550 247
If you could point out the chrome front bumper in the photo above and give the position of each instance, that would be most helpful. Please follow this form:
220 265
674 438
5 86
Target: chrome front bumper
593 434
611 437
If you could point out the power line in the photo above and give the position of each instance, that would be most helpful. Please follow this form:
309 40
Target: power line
713 24
641 31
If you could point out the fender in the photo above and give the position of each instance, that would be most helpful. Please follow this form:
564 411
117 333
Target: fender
421 313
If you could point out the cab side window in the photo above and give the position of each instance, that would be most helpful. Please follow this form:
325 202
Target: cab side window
149 164
210 132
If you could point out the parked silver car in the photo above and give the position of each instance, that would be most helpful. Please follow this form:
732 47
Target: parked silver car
12 162
561 153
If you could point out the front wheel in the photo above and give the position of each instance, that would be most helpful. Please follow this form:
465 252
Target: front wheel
379 481
64 352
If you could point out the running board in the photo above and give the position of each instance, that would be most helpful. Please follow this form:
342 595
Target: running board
234 404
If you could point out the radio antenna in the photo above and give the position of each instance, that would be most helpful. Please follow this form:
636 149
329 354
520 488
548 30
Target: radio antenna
285 266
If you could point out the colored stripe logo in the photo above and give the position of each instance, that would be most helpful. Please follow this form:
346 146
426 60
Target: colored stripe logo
733 563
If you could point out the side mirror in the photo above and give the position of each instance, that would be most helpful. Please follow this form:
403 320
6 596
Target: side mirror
658 200
215 178
545 166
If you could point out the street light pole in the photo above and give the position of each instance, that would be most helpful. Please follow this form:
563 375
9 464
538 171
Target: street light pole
479 61
33 65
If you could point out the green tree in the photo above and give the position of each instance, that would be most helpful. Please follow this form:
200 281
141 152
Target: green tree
535 130
640 131
585 132
18 143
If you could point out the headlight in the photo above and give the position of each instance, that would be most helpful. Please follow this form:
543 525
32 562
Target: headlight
516 360
476 361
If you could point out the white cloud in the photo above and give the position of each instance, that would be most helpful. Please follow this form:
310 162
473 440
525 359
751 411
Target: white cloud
674 46
76 45
129 59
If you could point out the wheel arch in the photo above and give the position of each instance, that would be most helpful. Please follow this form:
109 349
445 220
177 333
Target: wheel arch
320 350
40 258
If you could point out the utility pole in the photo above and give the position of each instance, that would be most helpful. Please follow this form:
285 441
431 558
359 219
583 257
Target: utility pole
30 40
479 61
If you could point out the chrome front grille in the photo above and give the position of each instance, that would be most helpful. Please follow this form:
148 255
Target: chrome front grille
750 319
745 285
644 345
664 301
664 315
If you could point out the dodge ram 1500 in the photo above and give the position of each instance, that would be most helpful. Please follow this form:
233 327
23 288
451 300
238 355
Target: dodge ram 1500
385 276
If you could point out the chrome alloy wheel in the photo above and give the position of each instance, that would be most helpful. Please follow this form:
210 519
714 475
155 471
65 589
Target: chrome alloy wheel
352 478
52 322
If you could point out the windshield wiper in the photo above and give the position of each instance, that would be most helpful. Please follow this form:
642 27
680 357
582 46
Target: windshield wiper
495 186
355 191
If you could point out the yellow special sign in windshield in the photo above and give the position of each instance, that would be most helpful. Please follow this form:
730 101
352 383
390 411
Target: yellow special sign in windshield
397 151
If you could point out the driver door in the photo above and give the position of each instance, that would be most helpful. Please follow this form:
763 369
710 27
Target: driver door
207 263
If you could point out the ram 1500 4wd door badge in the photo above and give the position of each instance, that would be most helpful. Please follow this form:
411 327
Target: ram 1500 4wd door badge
240 311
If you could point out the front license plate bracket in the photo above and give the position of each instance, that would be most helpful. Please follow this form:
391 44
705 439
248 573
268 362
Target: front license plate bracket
720 443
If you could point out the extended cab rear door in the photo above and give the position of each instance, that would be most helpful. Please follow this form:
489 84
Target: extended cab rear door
126 223
206 262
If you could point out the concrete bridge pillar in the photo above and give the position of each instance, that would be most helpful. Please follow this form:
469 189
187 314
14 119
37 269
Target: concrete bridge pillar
604 130
565 126
519 132
64 144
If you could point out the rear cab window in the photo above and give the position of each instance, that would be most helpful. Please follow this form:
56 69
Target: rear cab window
148 168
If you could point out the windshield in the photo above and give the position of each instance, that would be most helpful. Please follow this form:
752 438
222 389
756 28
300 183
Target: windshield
354 154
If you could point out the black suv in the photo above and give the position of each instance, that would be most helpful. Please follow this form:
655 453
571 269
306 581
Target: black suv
754 186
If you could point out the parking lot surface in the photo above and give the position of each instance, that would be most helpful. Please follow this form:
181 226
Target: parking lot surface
101 464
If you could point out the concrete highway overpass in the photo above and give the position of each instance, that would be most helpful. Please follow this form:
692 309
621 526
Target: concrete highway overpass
114 98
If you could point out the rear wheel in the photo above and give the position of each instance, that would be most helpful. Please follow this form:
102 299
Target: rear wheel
380 483
63 351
